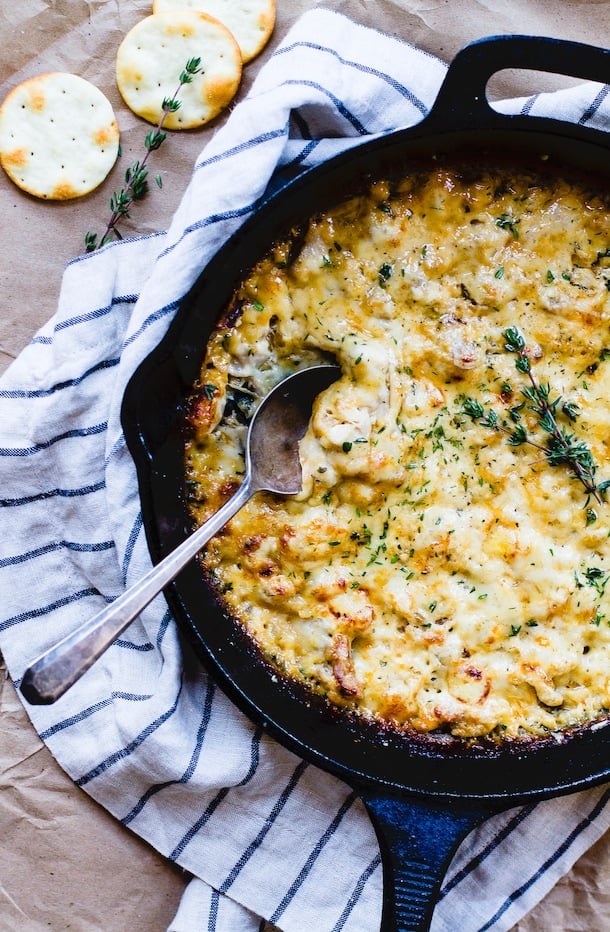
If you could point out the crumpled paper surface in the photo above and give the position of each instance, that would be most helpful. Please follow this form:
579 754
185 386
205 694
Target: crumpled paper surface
64 862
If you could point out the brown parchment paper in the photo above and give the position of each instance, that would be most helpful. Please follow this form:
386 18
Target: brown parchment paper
64 862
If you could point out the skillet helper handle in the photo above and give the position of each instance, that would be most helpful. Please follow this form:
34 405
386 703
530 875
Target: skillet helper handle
462 98
417 839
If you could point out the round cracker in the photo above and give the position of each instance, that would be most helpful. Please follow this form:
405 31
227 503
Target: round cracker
154 53
58 136
250 21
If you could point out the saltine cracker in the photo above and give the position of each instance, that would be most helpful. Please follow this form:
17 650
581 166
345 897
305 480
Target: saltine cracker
250 21
58 136
155 51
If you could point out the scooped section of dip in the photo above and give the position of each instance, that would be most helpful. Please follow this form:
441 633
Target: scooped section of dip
445 566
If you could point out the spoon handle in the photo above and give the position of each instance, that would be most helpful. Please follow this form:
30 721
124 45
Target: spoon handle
57 669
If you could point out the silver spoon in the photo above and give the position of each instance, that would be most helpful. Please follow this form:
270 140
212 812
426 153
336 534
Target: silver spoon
272 465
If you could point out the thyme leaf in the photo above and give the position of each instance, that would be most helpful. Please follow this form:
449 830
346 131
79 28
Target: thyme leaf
507 222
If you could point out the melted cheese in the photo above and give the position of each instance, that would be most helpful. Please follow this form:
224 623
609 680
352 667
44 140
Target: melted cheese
430 574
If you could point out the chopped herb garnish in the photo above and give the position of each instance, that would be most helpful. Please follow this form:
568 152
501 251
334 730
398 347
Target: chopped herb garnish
507 222
385 272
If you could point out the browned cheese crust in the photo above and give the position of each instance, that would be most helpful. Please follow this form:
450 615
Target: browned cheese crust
440 570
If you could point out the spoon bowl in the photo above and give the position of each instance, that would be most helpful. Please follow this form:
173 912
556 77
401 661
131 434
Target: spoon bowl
272 465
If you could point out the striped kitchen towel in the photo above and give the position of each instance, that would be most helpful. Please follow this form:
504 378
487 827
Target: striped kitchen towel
146 732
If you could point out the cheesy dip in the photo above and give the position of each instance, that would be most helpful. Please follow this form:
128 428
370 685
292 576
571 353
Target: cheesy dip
444 568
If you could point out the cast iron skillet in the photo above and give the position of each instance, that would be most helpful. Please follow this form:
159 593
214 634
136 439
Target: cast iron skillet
423 797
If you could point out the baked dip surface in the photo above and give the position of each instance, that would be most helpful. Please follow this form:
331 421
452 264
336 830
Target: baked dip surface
445 566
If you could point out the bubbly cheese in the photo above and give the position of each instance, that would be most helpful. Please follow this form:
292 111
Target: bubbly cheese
432 573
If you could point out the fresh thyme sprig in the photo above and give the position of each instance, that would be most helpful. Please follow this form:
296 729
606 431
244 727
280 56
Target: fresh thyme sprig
136 176
560 448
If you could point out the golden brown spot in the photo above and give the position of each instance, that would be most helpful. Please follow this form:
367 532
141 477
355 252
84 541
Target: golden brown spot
441 715
37 100
267 570
287 536
105 135
217 91
434 637
228 488
180 29
18 158
203 413
63 192
151 115
279 586
129 77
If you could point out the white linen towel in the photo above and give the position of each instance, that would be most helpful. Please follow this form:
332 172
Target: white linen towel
146 732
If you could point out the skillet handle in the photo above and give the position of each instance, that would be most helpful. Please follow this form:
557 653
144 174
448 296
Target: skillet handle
417 839
462 99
